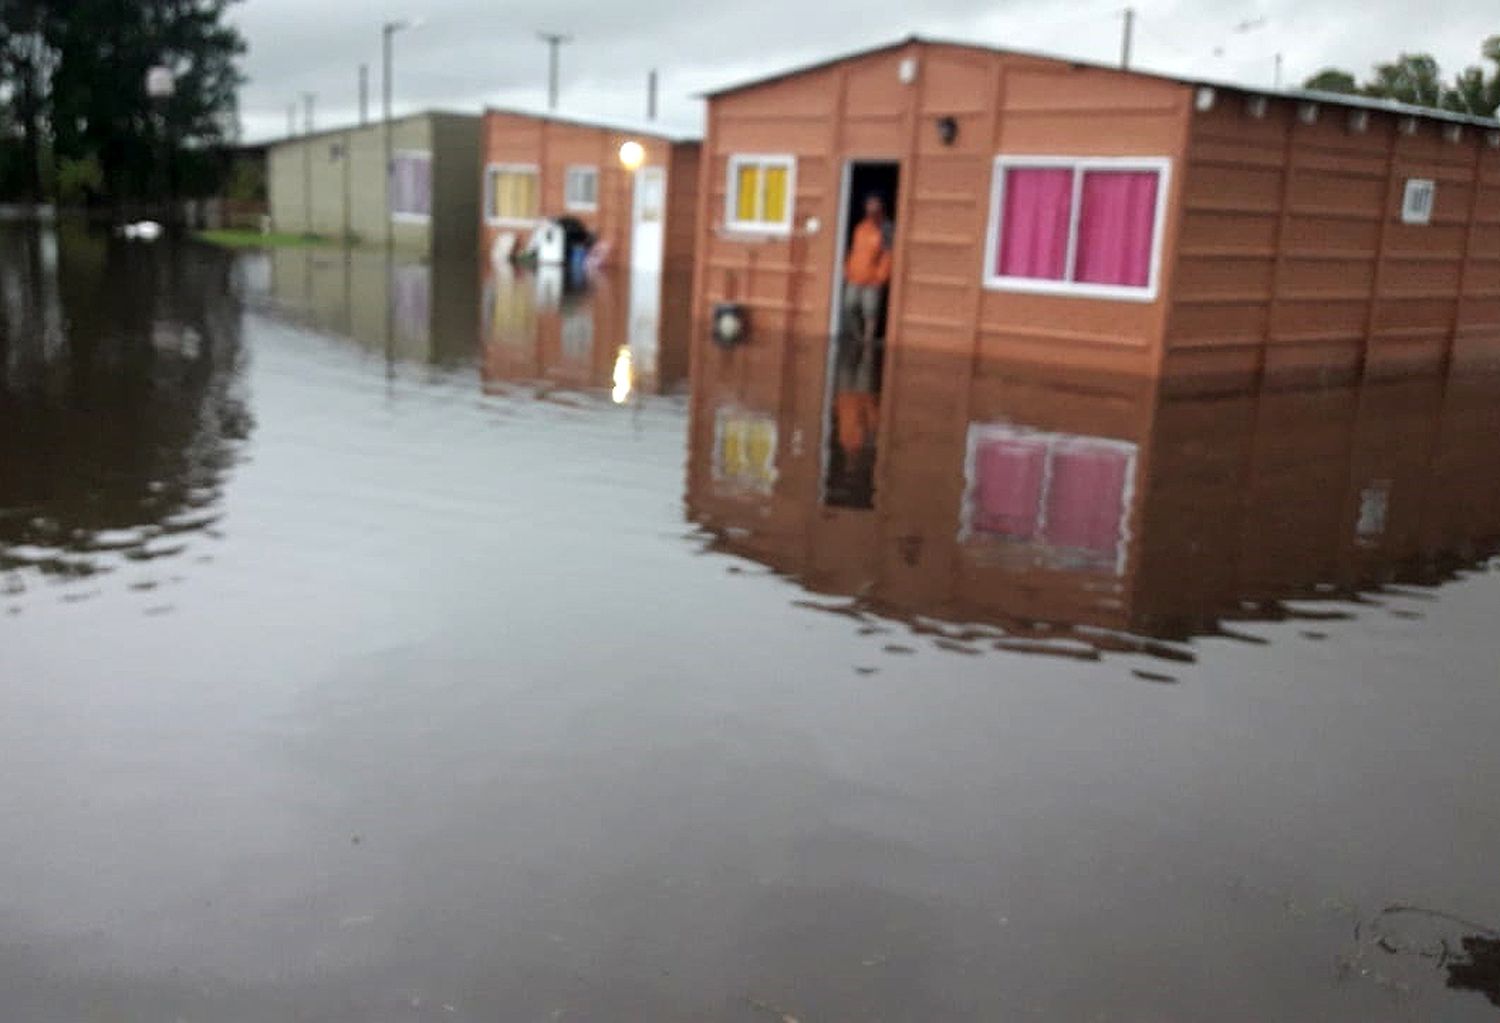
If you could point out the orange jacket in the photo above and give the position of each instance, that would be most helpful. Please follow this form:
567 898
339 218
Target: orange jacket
858 417
869 262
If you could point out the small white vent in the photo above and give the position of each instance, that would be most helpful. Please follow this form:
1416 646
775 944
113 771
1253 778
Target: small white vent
1416 204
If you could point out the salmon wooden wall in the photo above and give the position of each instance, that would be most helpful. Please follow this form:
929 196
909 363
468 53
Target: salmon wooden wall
947 333
552 146
1293 259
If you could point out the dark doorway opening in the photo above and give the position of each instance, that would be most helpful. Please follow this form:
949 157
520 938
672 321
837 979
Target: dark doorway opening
857 351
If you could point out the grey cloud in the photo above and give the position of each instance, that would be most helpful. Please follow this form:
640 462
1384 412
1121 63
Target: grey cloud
475 51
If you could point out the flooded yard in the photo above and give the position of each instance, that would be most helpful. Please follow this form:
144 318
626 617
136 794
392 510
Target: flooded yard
370 652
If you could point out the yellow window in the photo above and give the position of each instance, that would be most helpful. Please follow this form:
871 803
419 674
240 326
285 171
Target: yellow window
761 191
747 194
513 193
775 189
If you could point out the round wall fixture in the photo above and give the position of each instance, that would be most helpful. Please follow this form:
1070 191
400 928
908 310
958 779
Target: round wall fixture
730 324
947 129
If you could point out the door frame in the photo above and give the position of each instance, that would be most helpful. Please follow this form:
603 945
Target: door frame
836 304
637 182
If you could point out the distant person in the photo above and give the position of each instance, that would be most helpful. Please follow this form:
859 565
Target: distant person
867 272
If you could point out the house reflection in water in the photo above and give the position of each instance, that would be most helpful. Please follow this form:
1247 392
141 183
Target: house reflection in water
408 310
538 327
1098 501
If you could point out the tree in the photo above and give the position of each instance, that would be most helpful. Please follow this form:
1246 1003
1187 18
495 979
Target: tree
1473 92
100 107
1413 78
1332 79
25 65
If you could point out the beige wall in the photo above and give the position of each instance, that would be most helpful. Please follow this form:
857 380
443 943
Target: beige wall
333 183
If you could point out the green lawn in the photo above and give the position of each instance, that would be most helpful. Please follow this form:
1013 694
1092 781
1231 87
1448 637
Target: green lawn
256 240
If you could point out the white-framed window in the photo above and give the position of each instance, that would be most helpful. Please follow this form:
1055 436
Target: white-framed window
411 185
762 192
512 194
1087 226
581 188
1066 498
1417 200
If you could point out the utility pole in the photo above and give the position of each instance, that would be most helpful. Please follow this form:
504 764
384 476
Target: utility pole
308 99
651 95
1128 38
553 40
291 120
364 95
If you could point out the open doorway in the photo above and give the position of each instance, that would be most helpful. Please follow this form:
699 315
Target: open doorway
856 351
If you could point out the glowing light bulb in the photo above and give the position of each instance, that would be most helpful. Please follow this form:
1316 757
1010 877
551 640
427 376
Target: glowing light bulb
632 155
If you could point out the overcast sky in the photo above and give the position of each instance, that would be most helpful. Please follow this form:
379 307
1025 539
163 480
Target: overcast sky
473 52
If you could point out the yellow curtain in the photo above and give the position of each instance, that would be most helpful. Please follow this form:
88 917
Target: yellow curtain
775 185
747 190
515 195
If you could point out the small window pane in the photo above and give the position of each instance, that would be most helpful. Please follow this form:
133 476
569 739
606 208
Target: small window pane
747 189
1009 473
775 186
1034 222
513 195
411 184
1116 228
1086 501
582 187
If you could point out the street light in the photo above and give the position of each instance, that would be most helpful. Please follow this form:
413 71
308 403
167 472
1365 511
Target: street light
388 32
161 86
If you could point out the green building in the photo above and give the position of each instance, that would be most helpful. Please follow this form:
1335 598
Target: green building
333 184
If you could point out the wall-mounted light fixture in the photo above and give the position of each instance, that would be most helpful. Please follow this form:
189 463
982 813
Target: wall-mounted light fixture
947 130
731 324
1203 99
1256 106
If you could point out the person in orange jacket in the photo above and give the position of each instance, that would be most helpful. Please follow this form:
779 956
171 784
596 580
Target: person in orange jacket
867 271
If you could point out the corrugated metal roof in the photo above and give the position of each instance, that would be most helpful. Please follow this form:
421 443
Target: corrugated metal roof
625 126
1296 95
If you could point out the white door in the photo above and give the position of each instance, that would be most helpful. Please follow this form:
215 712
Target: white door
649 220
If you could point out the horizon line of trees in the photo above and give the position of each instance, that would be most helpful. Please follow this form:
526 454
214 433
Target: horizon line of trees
1418 79
76 122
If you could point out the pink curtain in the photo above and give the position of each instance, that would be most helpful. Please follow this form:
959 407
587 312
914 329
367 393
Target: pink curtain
1116 227
1034 222
411 185
1008 486
1086 502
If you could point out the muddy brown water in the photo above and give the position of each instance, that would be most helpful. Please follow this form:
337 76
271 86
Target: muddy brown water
361 660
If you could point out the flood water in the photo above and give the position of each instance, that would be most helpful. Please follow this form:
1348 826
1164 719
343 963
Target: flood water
369 652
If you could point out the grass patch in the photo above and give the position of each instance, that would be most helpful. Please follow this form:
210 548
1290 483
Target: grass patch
256 240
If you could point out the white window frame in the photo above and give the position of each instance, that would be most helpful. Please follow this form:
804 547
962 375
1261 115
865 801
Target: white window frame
1418 199
493 170
568 175
760 225
412 218
995 281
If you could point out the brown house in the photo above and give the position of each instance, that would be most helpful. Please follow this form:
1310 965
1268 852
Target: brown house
1133 236
1053 212
545 166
